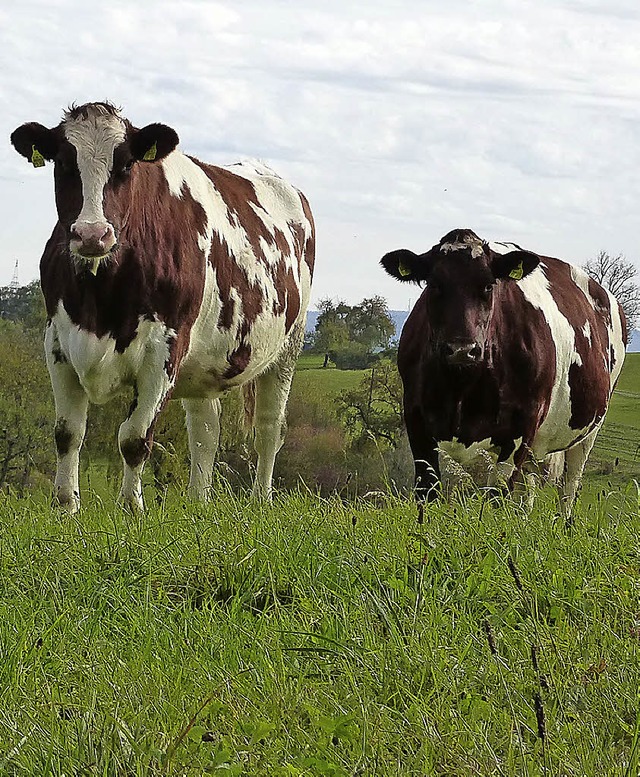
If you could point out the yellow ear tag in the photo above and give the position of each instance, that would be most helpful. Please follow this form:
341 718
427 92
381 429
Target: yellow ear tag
37 160
151 153
403 269
517 273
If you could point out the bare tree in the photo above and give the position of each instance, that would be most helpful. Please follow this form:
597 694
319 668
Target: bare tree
616 274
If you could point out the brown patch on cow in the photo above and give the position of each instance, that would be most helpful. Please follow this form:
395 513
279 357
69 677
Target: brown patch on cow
238 361
601 300
231 276
281 242
135 452
56 350
288 295
63 437
227 310
239 195
58 356
307 242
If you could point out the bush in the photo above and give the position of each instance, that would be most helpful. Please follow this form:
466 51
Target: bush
353 356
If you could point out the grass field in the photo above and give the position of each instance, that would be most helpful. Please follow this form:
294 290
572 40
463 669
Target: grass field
311 379
314 637
620 435
321 638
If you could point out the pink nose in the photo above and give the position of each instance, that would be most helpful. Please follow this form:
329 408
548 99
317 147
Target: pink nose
92 238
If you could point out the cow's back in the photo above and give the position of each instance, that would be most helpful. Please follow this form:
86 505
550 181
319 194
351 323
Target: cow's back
259 244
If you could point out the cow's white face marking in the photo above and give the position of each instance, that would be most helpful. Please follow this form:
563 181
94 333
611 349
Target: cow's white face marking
95 139
475 244
586 331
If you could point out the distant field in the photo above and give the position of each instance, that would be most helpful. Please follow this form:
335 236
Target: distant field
323 384
620 435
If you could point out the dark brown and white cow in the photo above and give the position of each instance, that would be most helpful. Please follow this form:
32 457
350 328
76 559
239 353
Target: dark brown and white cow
506 358
173 277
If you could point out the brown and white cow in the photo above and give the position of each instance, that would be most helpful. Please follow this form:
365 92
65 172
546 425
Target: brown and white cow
507 357
174 277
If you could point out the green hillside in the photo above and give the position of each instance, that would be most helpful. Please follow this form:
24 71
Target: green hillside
620 435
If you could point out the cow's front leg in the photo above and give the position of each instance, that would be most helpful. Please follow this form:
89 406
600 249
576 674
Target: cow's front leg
71 421
203 428
135 435
424 448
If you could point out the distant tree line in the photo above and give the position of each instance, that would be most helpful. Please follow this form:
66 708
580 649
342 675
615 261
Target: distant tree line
352 336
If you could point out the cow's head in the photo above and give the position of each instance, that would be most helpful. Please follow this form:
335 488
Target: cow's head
462 275
95 152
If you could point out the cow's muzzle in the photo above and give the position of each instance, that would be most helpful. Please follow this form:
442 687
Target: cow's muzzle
462 354
91 239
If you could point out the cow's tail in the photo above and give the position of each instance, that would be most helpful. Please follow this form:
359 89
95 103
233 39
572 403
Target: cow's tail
249 397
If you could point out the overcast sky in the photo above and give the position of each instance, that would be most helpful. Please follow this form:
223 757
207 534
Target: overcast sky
400 119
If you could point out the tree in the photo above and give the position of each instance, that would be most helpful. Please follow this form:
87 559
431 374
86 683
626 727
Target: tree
26 409
331 329
616 274
374 407
23 303
358 331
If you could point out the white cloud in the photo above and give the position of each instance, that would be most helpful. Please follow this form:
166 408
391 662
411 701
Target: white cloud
400 120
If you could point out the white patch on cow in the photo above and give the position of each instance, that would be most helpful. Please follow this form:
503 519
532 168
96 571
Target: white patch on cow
581 280
586 331
95 138
501 247
616 340
476 464
554 433
101 370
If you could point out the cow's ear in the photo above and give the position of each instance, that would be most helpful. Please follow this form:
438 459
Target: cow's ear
407 266
35 142
514 265
153 142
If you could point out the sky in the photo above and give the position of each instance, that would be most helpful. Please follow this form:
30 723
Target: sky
399 119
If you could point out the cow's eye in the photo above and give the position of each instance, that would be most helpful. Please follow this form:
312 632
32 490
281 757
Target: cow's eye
126 167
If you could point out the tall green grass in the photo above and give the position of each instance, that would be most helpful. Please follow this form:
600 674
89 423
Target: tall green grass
315 637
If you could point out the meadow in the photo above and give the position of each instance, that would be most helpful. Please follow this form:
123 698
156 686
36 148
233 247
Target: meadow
324 637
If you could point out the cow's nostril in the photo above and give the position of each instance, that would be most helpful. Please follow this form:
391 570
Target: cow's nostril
475 352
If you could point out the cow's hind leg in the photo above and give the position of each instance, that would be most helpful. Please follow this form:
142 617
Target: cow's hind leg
269 414
71 420
575 460
203 428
